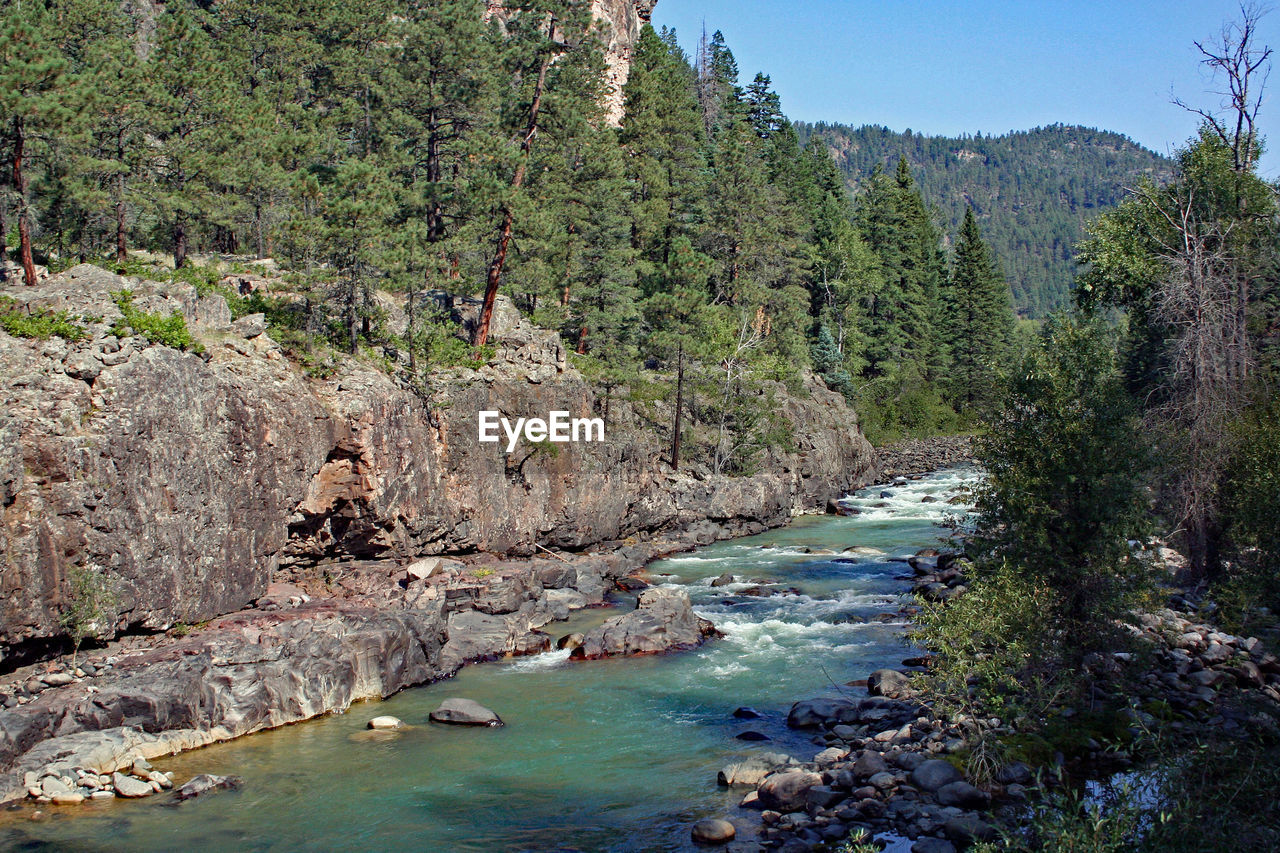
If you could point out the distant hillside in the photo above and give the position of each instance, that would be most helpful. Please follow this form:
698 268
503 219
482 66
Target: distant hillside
1032 190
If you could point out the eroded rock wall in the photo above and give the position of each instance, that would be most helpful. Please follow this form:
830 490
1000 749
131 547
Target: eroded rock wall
187 481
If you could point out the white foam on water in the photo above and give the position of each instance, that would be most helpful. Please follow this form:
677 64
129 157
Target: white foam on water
534 663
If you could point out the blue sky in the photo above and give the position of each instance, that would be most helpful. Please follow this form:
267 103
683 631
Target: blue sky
949 67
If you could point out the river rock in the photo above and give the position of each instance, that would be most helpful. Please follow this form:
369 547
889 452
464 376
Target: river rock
662 621
713 831
869 763
570 641
966 829
752 771
465 712
818 713
58 679
724 580
745 713
127 786
963 795
204 784
787 791
385 723
934 774
1015 773
69 799
751 735
933 845
889 683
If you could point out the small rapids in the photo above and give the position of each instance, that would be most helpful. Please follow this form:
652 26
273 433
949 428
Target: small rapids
606 755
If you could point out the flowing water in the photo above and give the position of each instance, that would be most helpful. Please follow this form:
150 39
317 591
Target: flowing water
604 755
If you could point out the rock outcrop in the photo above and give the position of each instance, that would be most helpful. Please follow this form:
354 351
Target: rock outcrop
662 621
186 482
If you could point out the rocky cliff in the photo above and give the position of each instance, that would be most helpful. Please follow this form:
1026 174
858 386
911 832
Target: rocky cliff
618 23
185 483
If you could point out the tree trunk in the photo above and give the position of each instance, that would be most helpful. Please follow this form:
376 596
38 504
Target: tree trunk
675 430
4 230
179 241
20 187
494 278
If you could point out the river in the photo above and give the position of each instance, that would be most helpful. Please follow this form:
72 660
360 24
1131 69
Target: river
605 755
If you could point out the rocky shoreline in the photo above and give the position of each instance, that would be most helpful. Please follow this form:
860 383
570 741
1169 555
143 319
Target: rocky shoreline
892 767
918 456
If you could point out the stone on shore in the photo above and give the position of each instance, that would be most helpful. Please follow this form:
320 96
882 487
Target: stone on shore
889 683
465 712
129 787
752 771
787 791
713 831
934 774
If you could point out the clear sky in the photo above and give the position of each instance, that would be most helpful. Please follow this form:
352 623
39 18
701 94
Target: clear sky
949 67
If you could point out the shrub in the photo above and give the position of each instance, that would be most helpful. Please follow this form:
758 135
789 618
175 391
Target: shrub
170 331
40 325
89 609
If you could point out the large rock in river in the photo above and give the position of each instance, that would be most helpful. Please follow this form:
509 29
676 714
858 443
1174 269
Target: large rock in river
663 620
465 712
787 791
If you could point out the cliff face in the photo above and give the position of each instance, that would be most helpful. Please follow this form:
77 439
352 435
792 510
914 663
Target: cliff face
619 23
187 482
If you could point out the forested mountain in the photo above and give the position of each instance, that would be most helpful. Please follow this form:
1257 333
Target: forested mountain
1032 191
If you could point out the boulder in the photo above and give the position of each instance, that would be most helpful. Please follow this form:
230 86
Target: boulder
869 763
889 683
569 641
820 713
787 791
385 722
127 786
206 783
465 712
1015 773
963 795
724 580
713 831
662 621
934 774
752 771
933 845
966 829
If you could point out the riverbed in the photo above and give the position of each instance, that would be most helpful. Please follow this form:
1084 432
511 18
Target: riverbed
604 755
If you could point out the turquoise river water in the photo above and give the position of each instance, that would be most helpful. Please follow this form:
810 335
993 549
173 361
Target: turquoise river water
606 755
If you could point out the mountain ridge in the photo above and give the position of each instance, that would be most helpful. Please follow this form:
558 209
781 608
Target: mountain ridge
1032 190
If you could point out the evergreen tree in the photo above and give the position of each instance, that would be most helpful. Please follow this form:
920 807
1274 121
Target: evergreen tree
977 320
189 107
37 101
663 138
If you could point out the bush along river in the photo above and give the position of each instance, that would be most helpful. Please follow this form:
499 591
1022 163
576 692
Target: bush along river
617 754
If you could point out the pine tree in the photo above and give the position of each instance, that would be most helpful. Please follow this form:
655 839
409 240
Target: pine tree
663 138
38 98
189 105
977 320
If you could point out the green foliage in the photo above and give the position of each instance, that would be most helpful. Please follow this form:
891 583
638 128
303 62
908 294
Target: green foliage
168 330
1252 524
41 325
1064 494
89 606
